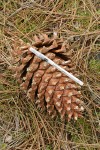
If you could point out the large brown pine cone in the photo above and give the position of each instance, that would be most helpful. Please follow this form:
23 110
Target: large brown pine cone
44 84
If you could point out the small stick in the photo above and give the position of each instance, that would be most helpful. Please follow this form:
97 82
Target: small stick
43 57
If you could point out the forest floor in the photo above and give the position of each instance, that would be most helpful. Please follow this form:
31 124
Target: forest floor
22 125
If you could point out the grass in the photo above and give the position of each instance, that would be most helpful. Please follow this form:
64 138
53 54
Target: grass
22 125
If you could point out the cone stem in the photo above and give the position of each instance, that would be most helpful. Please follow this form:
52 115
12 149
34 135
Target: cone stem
43 57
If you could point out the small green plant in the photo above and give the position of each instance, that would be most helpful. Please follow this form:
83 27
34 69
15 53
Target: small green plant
95 65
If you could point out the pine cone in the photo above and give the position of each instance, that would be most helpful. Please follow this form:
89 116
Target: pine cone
44 84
